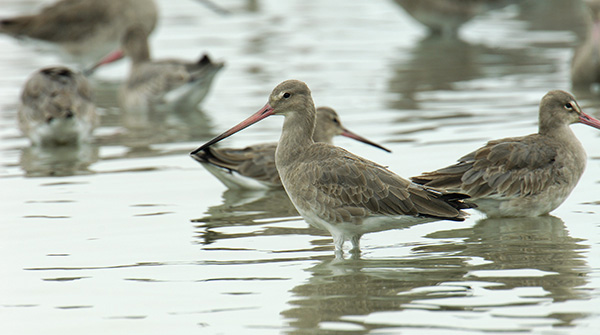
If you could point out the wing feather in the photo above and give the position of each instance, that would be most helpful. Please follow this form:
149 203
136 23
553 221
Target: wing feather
342 184
257 161
510 167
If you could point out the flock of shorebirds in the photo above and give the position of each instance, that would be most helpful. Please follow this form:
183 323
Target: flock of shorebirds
56 102
330 187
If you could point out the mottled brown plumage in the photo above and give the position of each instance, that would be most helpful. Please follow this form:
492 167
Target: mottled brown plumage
85 29
239 168
156 84
56 107
523 176
335 189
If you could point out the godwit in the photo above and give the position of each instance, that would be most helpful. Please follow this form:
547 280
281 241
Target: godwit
84 29
254 166
523 176
56 108
336 190
161 83
585 66
445 17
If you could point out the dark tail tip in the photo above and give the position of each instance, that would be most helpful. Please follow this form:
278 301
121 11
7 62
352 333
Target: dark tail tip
418 180
57 72
204 60
456 200
201 155
15 26
8 22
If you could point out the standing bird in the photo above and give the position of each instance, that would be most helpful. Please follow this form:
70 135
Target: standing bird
444 18
56 108
86 30
522 176
336 190
254 166
160 84
585 65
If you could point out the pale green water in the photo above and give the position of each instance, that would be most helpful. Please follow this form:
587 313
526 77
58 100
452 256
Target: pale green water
140 239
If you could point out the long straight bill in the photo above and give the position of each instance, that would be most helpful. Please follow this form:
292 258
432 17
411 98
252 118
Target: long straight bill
359 138
112 57
589 120
267 110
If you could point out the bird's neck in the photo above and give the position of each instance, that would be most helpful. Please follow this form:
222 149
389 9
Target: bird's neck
322 135
564 134
140 53
296 137
561 132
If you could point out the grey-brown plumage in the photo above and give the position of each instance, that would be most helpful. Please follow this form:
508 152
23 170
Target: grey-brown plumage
56 107
85 29
158 83
585 65
523 176
254 166
445 17
335 189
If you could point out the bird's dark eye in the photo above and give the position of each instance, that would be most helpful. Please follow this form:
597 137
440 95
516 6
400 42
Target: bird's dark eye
286 95
336 121
568 106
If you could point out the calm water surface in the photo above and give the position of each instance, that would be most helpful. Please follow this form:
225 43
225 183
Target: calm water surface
131 236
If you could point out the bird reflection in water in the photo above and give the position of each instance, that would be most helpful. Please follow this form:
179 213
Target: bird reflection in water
68 160
254 208
145 128
359 287
140 130
262 209
541 243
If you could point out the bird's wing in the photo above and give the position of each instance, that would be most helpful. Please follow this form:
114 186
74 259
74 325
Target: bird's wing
256 162
508 167
158 78
340 186
76 14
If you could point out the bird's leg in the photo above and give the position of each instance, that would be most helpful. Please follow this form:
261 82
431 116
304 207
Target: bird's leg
355 240
338 241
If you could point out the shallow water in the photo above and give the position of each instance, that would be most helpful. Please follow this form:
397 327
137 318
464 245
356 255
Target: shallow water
130 235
